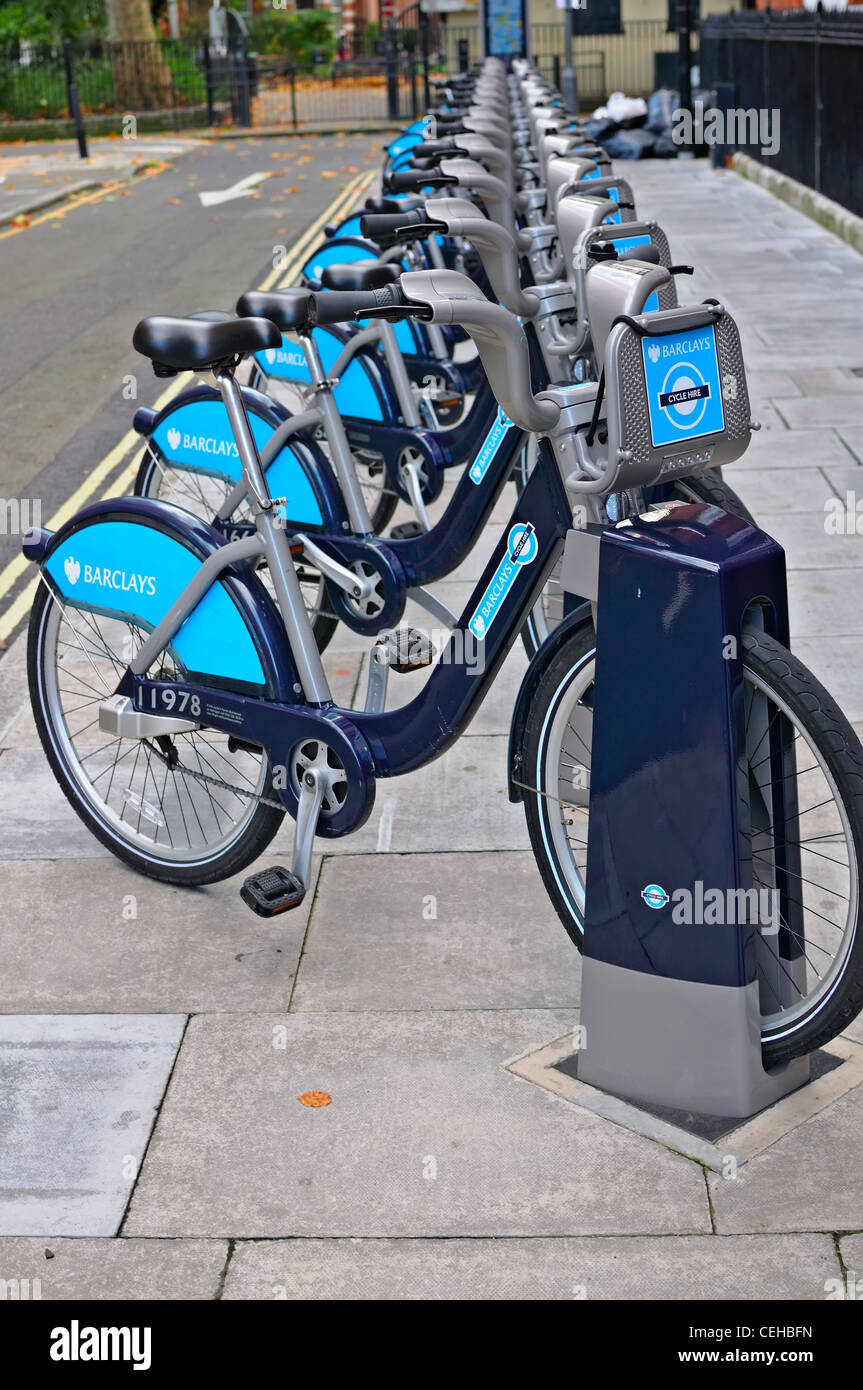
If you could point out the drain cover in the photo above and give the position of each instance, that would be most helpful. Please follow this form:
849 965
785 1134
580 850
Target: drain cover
709 1127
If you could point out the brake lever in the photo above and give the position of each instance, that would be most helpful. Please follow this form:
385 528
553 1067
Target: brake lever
395 312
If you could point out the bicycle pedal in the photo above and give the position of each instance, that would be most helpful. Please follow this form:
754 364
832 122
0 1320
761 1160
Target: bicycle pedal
407 531
409 650
272 891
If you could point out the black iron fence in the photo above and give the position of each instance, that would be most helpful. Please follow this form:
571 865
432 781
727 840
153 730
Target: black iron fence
380 75
110 78
809 68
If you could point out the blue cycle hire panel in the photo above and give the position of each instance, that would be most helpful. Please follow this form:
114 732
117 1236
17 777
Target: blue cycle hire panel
615 198
684 397
138 572
198 435
626 244
354 395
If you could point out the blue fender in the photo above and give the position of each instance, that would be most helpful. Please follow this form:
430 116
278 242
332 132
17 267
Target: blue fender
364 390
193 432
133 556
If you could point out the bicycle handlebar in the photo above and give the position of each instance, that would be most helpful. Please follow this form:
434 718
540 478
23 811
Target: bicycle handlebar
344 306
385 228
412 180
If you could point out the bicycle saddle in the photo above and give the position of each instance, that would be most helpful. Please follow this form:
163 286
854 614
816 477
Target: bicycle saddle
287 308
192 344
360 275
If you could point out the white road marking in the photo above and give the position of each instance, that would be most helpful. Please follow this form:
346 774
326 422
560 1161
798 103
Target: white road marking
237 190
385 829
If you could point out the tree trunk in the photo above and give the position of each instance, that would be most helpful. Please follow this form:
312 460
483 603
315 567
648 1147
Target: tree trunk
142 78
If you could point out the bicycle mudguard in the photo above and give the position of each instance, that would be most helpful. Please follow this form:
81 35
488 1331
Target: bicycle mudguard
133 556
532 676
363 389
193 432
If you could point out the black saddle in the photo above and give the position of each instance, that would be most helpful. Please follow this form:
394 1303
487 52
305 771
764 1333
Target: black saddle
193 344
394 204
287 308
360 276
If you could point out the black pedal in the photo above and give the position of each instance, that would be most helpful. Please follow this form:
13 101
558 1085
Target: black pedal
272 891
407 531
409 650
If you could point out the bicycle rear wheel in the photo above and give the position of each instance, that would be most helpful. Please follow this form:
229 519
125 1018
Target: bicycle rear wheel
191 808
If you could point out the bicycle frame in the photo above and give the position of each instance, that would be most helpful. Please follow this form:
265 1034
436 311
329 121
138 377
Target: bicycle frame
371 745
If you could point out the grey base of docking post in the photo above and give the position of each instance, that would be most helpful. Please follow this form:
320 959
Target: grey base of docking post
675 1043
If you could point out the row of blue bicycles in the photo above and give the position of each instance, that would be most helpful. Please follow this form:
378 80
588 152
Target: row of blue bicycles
503 315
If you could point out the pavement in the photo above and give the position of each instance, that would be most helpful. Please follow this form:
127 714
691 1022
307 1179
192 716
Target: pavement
154 1043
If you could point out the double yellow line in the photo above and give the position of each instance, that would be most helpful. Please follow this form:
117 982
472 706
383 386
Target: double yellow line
285 274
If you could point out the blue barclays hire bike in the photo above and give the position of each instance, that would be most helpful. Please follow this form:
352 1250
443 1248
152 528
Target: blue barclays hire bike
184 710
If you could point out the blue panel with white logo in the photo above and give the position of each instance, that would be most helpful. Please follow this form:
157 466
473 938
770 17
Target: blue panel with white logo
626 243
521 550
614 195
198 435
490 446
137 572
681 372
354 394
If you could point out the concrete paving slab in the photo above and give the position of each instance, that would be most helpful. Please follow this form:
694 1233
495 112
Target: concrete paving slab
839 409
80 1097
810 1180
823 602
159 948
807 543
610 1268
101 1269
797 448
778 490
426 1135
837 662
36 820
851 1248
434 939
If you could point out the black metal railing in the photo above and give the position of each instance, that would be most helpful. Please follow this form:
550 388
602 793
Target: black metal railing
807 67
379 75
110 78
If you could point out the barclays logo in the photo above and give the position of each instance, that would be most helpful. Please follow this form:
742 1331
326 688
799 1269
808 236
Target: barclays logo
72 569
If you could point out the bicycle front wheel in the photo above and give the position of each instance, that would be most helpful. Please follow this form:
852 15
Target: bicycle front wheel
811 991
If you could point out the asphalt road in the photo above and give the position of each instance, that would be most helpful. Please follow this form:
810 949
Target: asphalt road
75 286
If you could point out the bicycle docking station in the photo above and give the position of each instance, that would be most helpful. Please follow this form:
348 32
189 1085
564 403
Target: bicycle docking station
672 1006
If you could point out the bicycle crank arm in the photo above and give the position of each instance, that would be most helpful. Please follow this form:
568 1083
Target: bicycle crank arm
346 579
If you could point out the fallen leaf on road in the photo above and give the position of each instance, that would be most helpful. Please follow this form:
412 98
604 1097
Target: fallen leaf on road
328 174
173 200
293 188
215 219
349 169
22 220
315 1098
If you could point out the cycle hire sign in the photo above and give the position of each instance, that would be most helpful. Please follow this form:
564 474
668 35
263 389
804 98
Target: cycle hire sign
521 549
681 373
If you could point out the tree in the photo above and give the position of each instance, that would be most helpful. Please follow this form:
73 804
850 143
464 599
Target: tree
142 78
46 21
